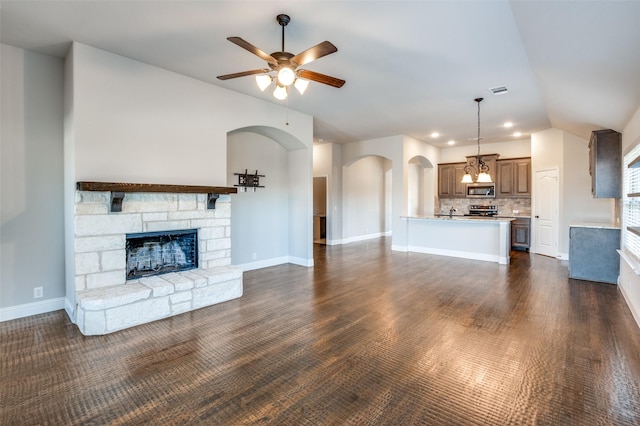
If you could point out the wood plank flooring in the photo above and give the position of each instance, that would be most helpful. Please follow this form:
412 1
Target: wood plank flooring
366 337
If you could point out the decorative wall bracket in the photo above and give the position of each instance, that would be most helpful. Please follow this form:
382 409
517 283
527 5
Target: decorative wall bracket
118 191
247 180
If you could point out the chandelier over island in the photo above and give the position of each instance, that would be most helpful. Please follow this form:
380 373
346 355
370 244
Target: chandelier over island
477 166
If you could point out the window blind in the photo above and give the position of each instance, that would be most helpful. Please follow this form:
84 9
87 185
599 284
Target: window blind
631 204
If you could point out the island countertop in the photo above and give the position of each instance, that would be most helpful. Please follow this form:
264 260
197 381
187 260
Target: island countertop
463 218
597 225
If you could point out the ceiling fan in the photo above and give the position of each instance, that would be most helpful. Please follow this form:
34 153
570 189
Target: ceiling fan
283 66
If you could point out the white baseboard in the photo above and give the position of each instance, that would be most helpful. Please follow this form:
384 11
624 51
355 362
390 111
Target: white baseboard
274 262
29 309
301 261
365 237
70 309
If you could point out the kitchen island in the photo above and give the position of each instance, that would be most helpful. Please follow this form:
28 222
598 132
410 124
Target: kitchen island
478 238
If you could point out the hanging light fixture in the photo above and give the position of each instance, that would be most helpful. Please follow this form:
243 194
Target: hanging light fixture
264 81
478 166
280 93
283 67
286 76
301 84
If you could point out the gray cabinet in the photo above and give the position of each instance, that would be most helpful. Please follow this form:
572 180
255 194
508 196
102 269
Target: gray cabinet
605 164
592 253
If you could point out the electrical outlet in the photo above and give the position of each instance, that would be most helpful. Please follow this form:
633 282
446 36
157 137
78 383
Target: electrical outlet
254 256
37 292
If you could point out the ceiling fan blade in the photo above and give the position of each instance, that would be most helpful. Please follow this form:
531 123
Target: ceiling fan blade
311 54
251 48
321 78
242 74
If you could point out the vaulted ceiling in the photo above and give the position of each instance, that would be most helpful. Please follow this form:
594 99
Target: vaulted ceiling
412 67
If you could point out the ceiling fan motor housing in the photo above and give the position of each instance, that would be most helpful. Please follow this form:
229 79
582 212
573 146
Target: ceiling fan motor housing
283 19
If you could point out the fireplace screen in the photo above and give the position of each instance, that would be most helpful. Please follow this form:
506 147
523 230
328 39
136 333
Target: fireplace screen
155 253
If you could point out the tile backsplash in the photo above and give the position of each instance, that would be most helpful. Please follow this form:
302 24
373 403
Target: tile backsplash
506 206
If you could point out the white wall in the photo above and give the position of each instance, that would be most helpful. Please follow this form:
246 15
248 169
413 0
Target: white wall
259 219
415 189
577 202
140 123
390 148
428 157
364 197
31 173
327 161
570 154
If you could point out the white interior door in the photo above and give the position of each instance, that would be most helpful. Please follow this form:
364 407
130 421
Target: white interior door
545 213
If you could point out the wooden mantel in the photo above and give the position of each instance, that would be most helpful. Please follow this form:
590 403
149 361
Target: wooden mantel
118 189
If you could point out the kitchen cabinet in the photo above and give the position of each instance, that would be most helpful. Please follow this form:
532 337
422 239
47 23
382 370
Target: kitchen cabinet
605 164
521 233
593 252
449 177
513 178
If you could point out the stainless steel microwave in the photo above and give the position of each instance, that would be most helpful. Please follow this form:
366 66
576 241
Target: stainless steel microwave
481 190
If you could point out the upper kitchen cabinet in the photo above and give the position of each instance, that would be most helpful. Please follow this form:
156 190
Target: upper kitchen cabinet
605 164
513 178
449 177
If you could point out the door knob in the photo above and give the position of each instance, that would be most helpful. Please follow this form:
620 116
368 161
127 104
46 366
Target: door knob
537 217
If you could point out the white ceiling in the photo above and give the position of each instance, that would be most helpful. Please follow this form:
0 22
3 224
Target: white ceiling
412 67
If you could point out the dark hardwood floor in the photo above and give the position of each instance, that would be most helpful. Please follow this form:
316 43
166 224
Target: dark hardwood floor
367 336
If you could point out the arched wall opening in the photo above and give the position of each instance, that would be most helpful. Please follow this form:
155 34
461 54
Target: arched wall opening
270 225
367 198
420 186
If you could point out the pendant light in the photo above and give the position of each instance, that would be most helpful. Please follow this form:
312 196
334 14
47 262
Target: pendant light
481 168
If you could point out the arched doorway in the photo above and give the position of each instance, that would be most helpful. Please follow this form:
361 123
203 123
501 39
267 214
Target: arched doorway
420 186
270 225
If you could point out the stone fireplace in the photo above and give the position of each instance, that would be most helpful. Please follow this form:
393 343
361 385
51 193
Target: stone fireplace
111 294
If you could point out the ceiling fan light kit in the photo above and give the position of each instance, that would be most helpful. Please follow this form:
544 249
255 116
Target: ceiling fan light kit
283 66
263 81
280 92
286 76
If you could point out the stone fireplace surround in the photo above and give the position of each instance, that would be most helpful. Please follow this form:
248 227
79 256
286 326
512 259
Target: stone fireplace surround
106 301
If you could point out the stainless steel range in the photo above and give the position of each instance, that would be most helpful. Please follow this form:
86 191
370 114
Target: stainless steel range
482 210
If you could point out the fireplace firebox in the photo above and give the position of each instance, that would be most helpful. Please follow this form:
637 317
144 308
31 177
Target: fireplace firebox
155 253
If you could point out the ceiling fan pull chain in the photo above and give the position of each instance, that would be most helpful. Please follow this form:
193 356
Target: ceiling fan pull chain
287 119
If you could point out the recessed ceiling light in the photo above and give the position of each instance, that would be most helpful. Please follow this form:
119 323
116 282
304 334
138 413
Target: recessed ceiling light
435 134
517 134
451 142
508 124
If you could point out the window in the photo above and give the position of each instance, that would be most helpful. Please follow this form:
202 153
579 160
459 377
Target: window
631 201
